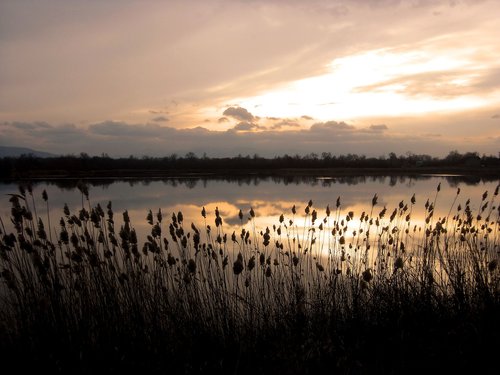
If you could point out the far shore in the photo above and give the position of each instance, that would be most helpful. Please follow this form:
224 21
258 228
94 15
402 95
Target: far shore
482 172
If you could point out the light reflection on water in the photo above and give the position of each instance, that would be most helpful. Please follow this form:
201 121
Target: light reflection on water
268 197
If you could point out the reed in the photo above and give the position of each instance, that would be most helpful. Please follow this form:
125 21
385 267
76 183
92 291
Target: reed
352 293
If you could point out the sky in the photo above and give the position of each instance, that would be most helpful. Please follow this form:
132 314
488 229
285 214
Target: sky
266 77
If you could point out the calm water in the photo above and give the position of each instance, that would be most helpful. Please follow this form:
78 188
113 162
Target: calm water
269 197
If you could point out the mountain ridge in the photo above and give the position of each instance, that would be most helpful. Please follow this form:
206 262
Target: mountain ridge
12 151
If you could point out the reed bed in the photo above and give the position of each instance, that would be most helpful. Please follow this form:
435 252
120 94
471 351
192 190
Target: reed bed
343 292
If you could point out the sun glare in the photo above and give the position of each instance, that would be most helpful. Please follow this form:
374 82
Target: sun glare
376 83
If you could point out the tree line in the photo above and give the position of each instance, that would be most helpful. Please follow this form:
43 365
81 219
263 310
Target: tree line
30 165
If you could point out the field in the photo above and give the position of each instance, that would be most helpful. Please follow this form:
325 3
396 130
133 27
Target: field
321 291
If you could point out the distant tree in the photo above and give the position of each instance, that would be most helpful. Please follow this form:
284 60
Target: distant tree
453 156
190 156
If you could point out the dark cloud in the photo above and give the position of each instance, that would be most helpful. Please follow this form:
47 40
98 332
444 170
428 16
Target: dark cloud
122 129
495 116
234 219
239 113
123 139
222 119
285 124
378 128
28 125
332 126
42 129
43 136
196 130
160 119
245 126
305 117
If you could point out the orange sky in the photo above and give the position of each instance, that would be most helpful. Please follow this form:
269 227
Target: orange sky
250 76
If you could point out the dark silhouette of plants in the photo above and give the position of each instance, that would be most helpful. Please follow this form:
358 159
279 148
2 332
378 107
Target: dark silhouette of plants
375 291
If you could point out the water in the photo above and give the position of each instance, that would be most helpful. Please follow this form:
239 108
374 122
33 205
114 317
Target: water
268 197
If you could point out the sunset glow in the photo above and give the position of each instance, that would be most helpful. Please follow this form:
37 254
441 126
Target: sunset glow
373 84
184 76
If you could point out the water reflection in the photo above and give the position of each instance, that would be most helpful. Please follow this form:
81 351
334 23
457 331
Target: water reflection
269 197
195 182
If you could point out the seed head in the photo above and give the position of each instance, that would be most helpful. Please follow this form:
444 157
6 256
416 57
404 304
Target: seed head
492 266
149 217
251 263
238 265
191 266
367 275
268 272
485 195
398 264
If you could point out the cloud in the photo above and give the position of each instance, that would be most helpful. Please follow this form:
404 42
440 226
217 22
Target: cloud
60 138
239 113
285 124
222 119
28 125
440 84
160 119
443 84
495 116
122 129
332 126
487 80
246 126
305 117
197 130
378 128
124 139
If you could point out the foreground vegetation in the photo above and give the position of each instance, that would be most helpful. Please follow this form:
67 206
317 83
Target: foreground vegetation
321 291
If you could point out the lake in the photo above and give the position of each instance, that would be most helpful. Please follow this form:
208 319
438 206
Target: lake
395 275
268 197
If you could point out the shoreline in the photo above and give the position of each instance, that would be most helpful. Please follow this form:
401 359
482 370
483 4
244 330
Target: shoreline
481 172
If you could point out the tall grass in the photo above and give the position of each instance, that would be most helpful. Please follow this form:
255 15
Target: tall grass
377 292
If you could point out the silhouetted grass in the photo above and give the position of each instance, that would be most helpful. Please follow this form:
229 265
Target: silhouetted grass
319 292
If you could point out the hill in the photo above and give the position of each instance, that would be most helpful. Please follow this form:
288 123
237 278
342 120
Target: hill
6 151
